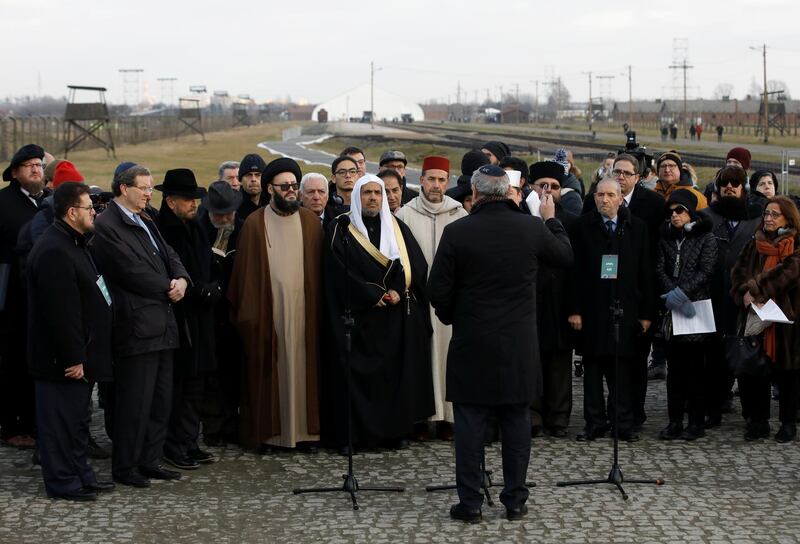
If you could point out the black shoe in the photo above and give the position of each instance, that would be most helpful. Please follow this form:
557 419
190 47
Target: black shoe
79 495
467 515
159 473
517 513
182 462
95 451
201 456
693 432
672 431
786 433
308 447
100 487
727 406
536 430
628 436
756 431
656 372
214 440
133 479
402 444
591 433
35 459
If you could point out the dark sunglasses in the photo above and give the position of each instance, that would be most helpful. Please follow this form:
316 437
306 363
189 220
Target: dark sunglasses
286 186
677 209
734 183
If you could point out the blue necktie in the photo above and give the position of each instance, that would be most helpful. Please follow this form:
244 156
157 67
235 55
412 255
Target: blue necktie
138 220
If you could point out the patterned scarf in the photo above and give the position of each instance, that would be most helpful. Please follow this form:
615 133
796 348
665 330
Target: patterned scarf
775 254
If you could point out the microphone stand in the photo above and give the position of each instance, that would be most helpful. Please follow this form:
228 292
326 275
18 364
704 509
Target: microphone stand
615 477
350 484
486 481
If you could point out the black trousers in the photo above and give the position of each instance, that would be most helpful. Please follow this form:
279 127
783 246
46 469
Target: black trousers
595 368
687 361
553 408
756 395
184 421
16 386
718 379
62 420
142 404
470 429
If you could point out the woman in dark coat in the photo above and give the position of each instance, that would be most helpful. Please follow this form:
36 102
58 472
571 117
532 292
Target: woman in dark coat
685 261
769 268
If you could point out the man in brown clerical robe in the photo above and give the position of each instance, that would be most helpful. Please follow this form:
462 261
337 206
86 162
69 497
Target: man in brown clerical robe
275 305
382 272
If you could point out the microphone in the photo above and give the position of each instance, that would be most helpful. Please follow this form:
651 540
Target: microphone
343 221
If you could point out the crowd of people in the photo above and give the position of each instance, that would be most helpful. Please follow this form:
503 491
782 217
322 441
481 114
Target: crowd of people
278 310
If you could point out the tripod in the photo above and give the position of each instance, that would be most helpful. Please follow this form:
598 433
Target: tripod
350 484
486 482
615 475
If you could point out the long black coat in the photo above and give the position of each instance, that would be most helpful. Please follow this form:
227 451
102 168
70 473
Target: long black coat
197 352
483 282
16 210
67 308
551 303
139 277
729 249
392 382
592 297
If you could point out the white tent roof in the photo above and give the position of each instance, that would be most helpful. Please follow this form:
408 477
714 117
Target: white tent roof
355 102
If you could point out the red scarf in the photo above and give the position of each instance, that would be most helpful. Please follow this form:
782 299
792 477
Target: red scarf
775 254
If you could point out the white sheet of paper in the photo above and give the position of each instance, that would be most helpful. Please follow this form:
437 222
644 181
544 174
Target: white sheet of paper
771 313
702 322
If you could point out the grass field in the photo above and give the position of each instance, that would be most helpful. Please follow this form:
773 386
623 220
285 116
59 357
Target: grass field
188 152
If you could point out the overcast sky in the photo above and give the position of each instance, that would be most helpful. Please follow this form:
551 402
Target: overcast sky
312 50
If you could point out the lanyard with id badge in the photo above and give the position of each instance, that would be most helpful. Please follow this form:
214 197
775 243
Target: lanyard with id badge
609 265
101 284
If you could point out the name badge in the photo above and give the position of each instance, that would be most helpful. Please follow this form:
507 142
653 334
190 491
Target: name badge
101 284
608 267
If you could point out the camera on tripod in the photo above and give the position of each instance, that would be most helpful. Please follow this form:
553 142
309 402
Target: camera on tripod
632 147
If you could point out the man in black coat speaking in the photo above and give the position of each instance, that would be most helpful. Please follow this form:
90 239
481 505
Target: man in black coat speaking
493 360
70 310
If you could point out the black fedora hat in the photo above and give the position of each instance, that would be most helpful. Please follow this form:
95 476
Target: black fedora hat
222 198
181 182
24 153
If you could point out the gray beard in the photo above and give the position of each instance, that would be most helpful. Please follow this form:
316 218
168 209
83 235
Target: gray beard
370 213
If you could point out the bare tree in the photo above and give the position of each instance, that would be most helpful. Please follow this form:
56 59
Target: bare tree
559 97
722 90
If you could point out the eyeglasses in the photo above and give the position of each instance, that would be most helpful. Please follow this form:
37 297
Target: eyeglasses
143 188
348 172
732 182
32 165
773 215
89 208
286 186
618 173
552 186
677 209
670 166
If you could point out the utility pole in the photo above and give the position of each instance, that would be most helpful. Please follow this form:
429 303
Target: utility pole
766 94
372 94
683 66
591 113
130 84
458 93
630 98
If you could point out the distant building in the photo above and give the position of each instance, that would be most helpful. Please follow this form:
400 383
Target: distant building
356 105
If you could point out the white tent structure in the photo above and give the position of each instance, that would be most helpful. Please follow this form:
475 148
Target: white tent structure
353 104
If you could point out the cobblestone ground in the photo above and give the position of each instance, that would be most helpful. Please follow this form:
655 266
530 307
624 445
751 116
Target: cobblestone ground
718 489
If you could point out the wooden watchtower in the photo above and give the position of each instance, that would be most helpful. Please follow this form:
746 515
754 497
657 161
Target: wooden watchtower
86 121
190 118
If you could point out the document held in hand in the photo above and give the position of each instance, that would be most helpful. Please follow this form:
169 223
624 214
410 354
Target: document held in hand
702 322
771 313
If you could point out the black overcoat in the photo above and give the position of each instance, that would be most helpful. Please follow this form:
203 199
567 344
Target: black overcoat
392 381
197 352
591 297
67 310
645 204
139 277
483 282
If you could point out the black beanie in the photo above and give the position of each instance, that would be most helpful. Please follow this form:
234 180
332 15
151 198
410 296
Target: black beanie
760 174
251 163
473 160
498 149
685 198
